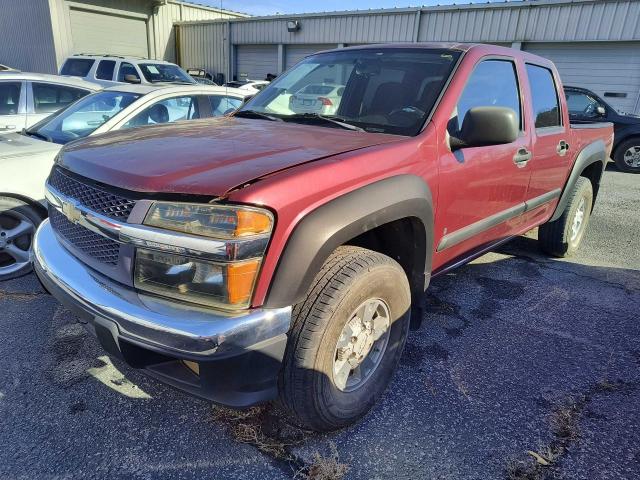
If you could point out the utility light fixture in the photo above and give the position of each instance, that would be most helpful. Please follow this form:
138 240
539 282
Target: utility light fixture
293 25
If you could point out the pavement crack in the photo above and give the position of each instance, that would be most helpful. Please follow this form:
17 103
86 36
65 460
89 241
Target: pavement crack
24 296
564 425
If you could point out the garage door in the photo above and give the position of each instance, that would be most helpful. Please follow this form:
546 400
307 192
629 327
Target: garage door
94 32
253 62
612 70
295 53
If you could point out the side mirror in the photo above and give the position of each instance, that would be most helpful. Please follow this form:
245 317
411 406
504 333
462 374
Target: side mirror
131 78
601 111
487 126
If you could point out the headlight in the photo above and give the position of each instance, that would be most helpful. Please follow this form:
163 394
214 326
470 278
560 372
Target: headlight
225 279
219 221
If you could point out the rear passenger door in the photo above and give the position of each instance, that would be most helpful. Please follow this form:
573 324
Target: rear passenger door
482 189
551 151
12 106
105 72
43 99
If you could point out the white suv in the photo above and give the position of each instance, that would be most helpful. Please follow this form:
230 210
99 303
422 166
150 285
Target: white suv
110 70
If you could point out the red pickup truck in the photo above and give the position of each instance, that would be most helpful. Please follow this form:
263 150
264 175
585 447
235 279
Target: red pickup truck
284 252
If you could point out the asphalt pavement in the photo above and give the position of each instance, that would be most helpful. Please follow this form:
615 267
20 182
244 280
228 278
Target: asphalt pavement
526 367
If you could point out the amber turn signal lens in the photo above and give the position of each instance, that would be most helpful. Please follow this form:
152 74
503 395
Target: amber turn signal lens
251 222
240 280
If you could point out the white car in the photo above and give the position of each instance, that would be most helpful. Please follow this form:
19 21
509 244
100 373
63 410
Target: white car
27 98
252 86
110 70
321 98
26 158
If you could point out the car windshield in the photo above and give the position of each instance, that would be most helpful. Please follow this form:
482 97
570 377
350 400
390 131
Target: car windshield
81 118
164 72
386 90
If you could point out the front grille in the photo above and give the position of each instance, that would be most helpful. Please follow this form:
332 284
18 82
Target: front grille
96 246
95 199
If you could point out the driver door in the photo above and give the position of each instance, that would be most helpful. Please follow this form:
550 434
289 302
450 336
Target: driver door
482 189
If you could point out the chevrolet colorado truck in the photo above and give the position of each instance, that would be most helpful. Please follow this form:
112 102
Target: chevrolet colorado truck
280 254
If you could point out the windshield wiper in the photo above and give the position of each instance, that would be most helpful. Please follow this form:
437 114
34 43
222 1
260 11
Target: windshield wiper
341 122
33 133
256 114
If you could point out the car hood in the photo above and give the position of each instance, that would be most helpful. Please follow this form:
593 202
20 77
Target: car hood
207 157
17 145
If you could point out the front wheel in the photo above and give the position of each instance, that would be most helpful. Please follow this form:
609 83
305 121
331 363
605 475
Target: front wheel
562 237
18 223
346 339
627 156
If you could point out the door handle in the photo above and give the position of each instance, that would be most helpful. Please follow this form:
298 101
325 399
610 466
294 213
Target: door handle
562 148
521 157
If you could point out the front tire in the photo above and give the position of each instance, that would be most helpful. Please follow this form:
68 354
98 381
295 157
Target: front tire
346 339
562 237
18 224
627 156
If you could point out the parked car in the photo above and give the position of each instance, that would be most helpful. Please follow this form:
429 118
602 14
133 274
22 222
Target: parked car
202 76
587 107
253 86
272 254
27 98
317 98
26 158
110 70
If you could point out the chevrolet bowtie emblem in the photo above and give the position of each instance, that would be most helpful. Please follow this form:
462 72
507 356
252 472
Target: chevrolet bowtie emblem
71 211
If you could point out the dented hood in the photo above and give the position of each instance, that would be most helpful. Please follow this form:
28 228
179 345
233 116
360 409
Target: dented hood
206 157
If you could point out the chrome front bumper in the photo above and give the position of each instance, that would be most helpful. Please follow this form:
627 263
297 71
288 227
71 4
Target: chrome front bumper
181 330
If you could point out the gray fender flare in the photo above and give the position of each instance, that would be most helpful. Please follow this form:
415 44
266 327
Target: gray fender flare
344 218
592 153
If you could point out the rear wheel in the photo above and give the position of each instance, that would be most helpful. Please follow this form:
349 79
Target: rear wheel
18 223
627 156
346 339
562 237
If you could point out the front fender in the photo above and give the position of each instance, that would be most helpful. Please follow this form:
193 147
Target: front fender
344 218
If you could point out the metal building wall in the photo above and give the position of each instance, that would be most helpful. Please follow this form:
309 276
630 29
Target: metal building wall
526 21
26 34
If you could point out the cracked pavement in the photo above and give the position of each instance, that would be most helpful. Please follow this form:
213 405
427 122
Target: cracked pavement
513 343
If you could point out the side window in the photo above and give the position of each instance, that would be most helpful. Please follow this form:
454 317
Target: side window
221 105
9 97
492 83
581 105
105 70
126 69
166 111
77 67
546 107
48 98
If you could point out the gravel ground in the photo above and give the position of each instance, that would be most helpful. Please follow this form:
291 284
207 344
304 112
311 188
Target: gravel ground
520 353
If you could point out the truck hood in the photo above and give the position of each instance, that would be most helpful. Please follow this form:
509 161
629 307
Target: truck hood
207 157
17 145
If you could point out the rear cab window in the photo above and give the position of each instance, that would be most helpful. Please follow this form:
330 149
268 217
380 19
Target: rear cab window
10 97
77 67
49 98
105 70
544 97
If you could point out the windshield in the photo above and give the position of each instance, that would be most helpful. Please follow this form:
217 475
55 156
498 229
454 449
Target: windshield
82 117
387 90
162 72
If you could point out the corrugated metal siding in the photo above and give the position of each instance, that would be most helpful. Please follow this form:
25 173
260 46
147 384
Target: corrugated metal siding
205 46
295 53
344 29
598 67
166 15
26 34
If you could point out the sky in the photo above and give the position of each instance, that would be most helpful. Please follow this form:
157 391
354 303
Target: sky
272 7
